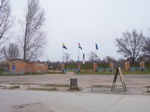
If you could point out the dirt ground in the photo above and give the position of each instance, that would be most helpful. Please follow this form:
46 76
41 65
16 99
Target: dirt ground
84 81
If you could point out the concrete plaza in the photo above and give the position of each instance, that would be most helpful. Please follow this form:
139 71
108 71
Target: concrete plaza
41 101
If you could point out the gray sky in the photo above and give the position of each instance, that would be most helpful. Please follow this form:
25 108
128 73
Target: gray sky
87 22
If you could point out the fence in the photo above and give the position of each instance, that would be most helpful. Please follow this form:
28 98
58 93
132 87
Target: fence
147 65
104 67
88 67
71 67
133 67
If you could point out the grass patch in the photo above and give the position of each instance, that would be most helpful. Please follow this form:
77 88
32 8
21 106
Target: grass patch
10 87
14 87
101 86
55 85
97 73
33 74
18 83
111 73
62 85
74 89
136 72
43 89
48 87
55 73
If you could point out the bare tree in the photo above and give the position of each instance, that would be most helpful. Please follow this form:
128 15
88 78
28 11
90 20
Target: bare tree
5 20
131 44
34 39
71 61
120 62
146 49
109 59
67 57
11 52
92 56
144 57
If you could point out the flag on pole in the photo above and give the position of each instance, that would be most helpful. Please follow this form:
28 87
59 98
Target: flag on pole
79 46
64 46
96 46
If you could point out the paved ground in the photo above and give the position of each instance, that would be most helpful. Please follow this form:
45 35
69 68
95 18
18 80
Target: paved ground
136 99
40 101
83 80
135 83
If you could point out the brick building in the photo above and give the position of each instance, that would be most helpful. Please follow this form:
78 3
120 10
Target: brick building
19 66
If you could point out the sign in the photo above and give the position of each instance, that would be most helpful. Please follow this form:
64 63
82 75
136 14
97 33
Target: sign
13 67
73 84
118 72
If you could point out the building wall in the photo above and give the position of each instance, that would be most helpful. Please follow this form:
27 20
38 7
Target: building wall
40 67
21 67
37 67
29 68
127 66
17 67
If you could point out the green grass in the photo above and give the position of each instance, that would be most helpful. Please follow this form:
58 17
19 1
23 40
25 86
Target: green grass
11 87
56 85
14 87
91 72
51 87
96 73
33 74
101 86
19 83
43 89
74 89
137 72
55 73
62 85
110 73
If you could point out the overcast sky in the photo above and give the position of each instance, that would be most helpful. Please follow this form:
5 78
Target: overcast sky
87 22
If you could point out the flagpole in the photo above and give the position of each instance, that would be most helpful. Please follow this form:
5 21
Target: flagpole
83 58
96 55
96 52
78 53
62 54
